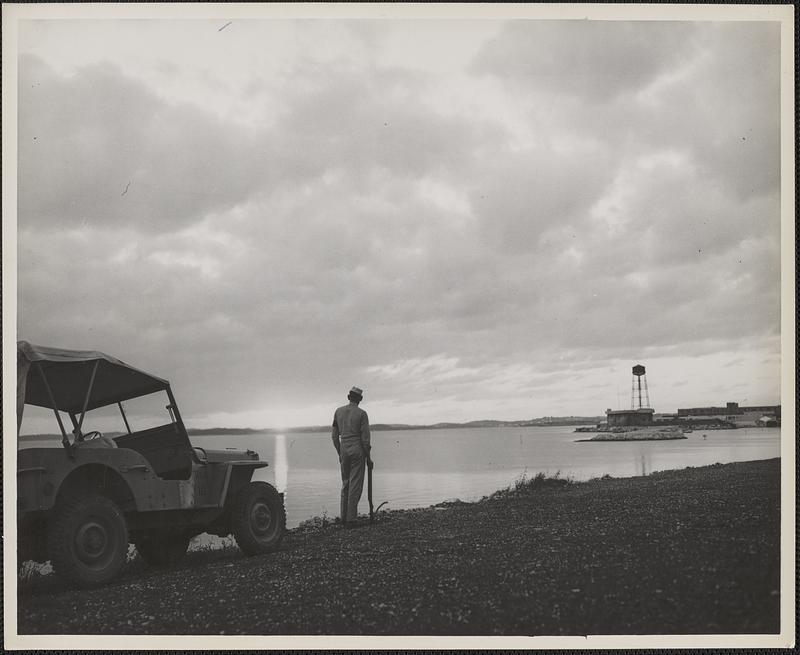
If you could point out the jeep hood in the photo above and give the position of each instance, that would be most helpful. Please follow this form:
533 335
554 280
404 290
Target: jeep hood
231 455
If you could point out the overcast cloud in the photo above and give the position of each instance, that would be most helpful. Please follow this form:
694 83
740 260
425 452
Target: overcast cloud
494 221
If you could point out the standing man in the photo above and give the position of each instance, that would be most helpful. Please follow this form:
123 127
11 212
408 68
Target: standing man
350 436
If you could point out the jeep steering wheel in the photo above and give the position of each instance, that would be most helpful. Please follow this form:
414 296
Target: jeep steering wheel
94 434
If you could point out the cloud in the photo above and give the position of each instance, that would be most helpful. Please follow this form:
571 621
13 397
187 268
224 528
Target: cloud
368 121
710 89
482 231
738 91
99 148
587 60
522 194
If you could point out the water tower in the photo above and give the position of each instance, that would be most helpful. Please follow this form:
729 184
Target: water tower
639 377
640 412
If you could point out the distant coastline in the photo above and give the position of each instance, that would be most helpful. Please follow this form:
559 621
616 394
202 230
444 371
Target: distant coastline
548 421
384 427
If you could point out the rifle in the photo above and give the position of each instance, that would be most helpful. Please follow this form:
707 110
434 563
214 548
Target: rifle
372 512
369 490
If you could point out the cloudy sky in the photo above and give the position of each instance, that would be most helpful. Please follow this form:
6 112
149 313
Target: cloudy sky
468 219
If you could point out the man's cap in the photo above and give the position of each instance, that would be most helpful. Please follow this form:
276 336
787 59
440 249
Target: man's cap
357 392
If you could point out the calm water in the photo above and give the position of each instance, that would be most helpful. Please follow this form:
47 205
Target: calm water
416 468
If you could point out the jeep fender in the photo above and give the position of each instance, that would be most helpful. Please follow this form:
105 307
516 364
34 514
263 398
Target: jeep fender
45 473
238 474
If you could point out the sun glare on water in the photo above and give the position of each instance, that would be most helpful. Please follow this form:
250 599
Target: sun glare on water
281 463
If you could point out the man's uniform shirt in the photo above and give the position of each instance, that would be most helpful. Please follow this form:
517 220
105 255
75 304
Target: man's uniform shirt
351 421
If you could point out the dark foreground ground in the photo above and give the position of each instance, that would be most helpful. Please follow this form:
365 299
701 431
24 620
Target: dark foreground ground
690 551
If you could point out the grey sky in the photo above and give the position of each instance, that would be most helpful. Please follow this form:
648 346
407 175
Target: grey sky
468 219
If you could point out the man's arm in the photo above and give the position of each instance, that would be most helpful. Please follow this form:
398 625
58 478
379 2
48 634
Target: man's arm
335 435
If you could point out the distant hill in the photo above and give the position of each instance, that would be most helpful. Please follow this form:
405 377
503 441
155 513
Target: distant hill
49 436
486 423
379 427
201 431
490 423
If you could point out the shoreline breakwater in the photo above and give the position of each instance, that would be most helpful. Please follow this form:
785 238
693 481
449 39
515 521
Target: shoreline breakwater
638 434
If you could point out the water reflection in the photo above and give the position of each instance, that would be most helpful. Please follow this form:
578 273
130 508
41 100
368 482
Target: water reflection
645 464
281 464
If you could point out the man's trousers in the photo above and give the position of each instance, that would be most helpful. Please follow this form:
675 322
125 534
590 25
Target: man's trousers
351 458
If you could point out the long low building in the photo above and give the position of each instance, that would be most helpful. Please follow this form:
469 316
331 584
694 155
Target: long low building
731 416
732 412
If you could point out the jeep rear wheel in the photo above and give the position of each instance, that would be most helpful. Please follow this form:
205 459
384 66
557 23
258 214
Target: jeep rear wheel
87 540
161 547
258 518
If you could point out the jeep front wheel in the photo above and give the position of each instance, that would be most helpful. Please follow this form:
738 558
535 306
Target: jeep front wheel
88 540
258 518
161 547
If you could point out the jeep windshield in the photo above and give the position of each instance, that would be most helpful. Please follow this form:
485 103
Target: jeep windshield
78 381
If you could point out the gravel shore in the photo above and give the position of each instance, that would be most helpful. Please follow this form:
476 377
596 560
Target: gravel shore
680 552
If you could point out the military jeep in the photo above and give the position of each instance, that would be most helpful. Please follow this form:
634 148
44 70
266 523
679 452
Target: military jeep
80 504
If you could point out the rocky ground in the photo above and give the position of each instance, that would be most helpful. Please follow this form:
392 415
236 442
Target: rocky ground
689 551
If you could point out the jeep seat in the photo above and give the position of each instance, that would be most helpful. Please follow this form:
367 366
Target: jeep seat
169 452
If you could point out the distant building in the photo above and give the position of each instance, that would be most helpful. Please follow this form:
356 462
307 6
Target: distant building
734 414
665 417
621 417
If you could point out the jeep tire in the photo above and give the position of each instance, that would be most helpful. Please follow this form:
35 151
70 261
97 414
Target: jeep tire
258 518
87 540
162 547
